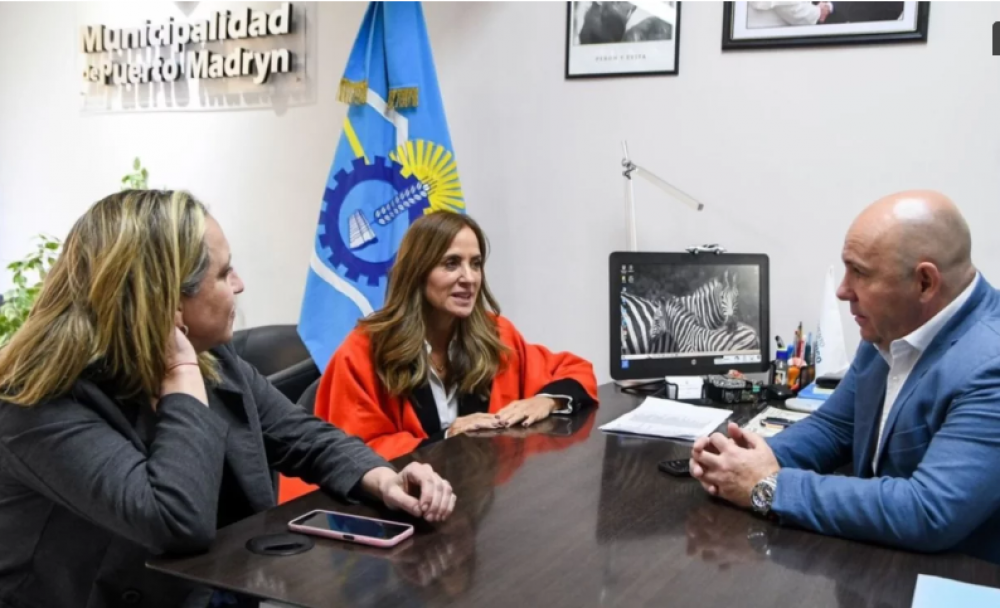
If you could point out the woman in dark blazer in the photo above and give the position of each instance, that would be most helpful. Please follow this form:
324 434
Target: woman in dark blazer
129 427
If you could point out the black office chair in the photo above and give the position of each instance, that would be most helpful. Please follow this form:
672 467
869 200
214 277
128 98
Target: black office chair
308 402
308 398
278 353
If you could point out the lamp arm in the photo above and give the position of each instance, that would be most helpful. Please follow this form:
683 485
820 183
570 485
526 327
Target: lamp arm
629 168
662 185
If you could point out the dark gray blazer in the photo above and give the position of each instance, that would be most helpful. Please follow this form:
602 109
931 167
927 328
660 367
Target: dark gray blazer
90 487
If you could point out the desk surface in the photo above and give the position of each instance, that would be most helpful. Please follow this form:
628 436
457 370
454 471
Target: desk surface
568 516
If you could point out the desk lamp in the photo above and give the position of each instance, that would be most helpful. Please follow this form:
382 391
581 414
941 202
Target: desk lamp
630 168
630 234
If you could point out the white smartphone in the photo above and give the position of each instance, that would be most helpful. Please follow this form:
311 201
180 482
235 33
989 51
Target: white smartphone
352 528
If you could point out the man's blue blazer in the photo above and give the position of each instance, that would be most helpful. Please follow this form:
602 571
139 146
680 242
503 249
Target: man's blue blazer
937 484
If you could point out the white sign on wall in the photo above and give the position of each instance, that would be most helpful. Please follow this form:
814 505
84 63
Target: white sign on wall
151 56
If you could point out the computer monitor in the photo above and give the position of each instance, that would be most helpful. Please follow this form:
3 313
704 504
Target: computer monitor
684 314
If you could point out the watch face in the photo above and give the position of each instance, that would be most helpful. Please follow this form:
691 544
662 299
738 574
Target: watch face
762 495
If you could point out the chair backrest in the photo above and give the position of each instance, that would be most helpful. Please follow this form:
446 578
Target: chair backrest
278 353
270 348
308 398
307 401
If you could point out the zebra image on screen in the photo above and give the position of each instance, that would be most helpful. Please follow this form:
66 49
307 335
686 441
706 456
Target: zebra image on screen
644 330
714 303
692 337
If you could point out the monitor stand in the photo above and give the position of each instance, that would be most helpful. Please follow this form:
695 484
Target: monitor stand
639 383
657 387
660 391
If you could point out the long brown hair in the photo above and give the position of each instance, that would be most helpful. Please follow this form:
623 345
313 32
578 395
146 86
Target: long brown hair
398 331
110 299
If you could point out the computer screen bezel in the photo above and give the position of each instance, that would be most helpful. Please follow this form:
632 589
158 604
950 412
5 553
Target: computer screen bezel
683 366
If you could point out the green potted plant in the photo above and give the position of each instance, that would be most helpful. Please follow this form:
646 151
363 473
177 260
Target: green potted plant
138 179
29 272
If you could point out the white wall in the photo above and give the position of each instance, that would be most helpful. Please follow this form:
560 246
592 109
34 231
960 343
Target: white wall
784 147
262 174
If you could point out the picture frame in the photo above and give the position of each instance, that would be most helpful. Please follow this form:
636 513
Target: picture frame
608 39
749 25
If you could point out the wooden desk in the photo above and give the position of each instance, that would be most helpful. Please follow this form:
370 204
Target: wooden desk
572 517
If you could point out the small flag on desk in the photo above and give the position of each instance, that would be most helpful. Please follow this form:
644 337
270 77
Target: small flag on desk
831 353
394 163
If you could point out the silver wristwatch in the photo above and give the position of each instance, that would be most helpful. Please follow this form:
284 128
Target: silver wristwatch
762 494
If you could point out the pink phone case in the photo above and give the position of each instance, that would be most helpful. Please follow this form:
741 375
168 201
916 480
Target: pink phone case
353 538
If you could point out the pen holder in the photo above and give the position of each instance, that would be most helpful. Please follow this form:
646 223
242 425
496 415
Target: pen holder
806 376
799 377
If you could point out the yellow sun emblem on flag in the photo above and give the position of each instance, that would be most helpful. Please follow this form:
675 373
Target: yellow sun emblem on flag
435 166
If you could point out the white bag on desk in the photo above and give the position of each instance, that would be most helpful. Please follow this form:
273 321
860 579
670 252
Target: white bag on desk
831 354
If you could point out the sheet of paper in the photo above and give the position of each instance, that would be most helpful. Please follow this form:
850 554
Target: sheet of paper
937 592
671 419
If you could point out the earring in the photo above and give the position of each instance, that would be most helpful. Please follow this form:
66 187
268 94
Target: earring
184 329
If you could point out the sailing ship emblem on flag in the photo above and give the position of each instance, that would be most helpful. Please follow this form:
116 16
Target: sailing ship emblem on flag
422 177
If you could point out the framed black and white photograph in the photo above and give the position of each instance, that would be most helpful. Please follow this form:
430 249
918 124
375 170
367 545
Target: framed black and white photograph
622 38
756 25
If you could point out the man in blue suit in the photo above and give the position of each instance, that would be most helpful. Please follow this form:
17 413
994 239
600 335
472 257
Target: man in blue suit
917 414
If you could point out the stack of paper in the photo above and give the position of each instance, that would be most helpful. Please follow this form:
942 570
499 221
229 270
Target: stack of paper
671 419
812 391
809 399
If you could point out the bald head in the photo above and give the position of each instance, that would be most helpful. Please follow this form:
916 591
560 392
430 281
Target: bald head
919 226
907 256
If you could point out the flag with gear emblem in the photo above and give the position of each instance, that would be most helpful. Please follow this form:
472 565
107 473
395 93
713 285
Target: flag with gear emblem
394 162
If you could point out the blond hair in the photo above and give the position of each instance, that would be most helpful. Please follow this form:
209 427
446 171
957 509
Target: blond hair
108 305
398 331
